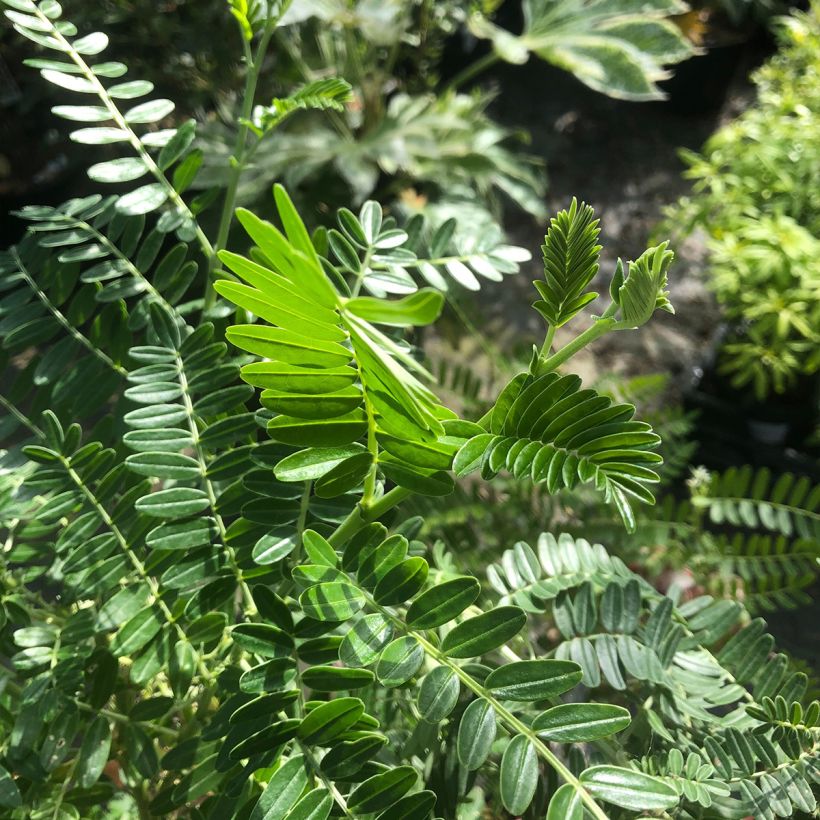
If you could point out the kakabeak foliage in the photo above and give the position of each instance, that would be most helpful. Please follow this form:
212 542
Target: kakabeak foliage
208 604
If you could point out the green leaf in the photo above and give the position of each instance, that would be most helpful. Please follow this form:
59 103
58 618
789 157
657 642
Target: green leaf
336 679
98 136
629 789
176 147
644 290
266 739
181 667
274 547
10 797
399 661
320 433
533 680
329 720
438 694
269 676
137 632
365 641
347 757
178 502
476 734
519 775
420 308
265 640
401 582
315 805
566 804
382 790
124 169
618 50
345 476
82 113
334 601
91 44
142 200
164 465
443 602
575 722
570 263
149 112
318 549
183 535
130 90
313 463
485 632
411 807
282 791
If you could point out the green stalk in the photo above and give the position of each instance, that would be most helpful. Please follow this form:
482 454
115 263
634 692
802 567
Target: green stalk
62 320
600 328
360 515
240 156
471 71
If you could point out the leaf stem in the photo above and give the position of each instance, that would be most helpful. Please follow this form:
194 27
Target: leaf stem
58 315
471 71
360 516
239 157
600 328
507 717
199 454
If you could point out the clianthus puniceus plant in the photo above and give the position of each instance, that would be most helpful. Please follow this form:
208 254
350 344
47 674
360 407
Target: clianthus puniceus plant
211 603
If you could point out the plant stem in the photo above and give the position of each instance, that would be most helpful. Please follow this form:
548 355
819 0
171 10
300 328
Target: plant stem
547 346
600 328
471 71
360 516
239 157
250 606
57 314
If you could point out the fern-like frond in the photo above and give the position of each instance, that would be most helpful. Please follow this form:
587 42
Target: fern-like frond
152 152
571 253
330 93
767 573
785 504
331 376
548 429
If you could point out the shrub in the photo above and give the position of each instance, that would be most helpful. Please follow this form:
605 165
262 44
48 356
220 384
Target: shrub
756 198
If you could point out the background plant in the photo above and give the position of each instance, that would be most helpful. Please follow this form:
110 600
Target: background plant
755 199
211 604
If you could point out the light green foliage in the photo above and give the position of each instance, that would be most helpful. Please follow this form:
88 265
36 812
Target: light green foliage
618 49
755 185
208 604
